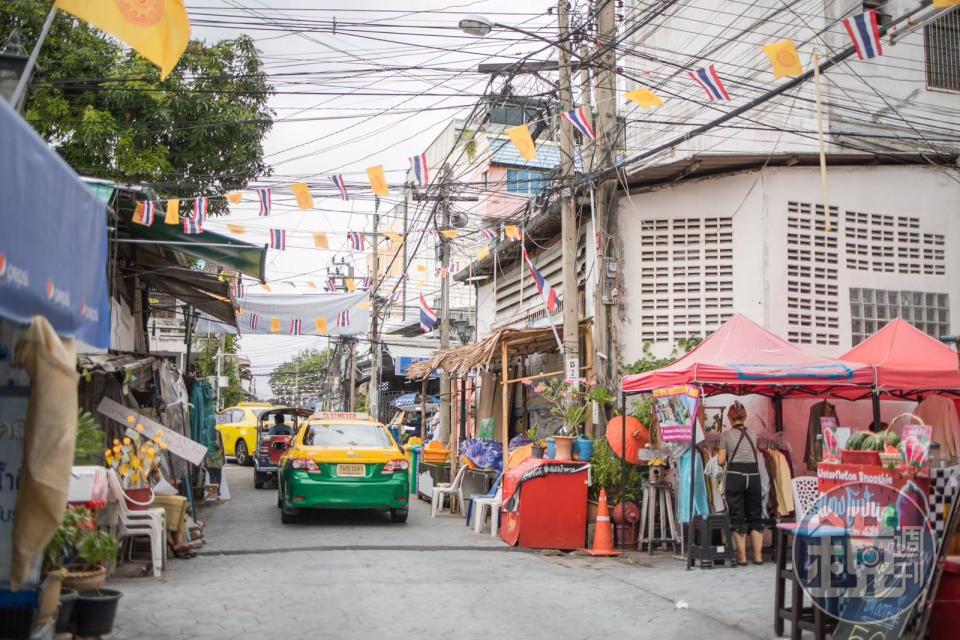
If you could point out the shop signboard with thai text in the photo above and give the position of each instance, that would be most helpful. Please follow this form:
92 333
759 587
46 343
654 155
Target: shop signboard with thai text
676 409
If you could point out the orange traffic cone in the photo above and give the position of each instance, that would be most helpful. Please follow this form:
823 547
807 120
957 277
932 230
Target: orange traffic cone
603 531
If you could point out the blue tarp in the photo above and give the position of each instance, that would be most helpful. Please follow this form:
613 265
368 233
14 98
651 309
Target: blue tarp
53 238
486 454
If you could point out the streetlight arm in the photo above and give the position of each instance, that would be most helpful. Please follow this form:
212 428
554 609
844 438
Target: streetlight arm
21 89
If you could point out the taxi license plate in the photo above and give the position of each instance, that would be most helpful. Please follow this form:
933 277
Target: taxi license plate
351 470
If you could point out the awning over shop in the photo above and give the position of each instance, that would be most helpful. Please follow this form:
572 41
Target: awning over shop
53 249
908 361
246 258
741 358
202 290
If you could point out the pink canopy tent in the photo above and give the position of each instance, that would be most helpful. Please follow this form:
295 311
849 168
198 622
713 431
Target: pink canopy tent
742 358
907 362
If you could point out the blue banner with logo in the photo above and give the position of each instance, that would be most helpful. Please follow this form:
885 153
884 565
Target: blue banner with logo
53 238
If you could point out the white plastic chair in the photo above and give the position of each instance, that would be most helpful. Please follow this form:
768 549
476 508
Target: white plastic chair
451 489
806 491
131 523
480 506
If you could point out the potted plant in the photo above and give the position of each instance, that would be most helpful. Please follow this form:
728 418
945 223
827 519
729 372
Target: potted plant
574 405
538 445
95 612
135 460
88 551
607 473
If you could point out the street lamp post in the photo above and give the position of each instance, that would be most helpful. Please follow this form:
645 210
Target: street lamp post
13 62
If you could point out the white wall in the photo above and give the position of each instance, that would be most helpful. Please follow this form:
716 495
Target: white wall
757 202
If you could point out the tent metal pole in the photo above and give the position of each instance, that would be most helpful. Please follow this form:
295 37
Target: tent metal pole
688 539
623 461
876 409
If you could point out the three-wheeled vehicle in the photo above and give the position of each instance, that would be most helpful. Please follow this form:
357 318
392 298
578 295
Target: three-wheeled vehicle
276 428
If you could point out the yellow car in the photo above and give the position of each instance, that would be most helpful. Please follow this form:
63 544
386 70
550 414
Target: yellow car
343 461
238 427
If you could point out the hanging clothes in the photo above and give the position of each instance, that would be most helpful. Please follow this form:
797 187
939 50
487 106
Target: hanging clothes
813 450
700 507
713 473
778 468
941 414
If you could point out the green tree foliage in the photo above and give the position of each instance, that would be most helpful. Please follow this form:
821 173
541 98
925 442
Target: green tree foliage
207 366
301 378
104 109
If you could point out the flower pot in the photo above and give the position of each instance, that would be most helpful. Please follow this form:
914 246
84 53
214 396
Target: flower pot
139 499
583 449
551 452
536 452
564 445
95 611
79 578
68 598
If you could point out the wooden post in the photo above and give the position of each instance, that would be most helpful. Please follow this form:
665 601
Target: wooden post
504 401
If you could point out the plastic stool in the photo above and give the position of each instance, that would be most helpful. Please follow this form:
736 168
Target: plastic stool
712 541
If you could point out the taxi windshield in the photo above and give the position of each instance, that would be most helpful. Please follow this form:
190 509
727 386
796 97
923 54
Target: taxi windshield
366 436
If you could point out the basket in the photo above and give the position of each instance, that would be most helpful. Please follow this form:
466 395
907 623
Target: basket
890 460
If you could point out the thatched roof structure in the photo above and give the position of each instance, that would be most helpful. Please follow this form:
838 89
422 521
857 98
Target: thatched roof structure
458 361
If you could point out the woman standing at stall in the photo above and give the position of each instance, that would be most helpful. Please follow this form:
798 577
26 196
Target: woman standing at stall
742 488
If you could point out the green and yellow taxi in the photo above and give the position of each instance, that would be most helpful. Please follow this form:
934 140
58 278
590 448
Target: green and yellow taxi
238 428
343 460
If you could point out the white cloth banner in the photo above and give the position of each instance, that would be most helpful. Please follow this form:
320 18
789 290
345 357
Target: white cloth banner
322 314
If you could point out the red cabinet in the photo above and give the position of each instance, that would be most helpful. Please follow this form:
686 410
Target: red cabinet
545 504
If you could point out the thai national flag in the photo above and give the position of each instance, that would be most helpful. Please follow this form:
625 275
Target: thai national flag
428 317
578 118
265 201
546 291
149 213
365 282
420 170
710 81
199 213
356 239
864 30
331 284
254 321
296 327
343 318
490 233
239 291
340 185
395 294
191 226
278 239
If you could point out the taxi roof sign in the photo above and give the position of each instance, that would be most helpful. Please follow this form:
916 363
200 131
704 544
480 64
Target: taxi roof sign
339 415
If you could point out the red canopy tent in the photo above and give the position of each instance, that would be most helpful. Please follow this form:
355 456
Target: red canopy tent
907 362
742 358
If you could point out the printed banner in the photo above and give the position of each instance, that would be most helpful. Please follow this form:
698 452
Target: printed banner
342 314
676 411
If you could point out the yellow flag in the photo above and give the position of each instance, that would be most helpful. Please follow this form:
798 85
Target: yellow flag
350 284
783 56
266 287
421 267
302 193
644 98
449 234
320 240
275 325
237 229
235 197
444 272
378 181
238 311
311 284
321 325
512 232
138 213
393 237
942 4
483 253
173 212
520 136
159 30
365 305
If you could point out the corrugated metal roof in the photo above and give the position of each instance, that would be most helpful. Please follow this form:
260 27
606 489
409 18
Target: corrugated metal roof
548 155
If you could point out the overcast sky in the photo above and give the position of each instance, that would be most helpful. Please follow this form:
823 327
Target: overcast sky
356 131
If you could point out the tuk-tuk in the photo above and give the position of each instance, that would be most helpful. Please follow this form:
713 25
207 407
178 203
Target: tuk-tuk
273 439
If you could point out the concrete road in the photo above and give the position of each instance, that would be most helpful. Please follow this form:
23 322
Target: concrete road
356 575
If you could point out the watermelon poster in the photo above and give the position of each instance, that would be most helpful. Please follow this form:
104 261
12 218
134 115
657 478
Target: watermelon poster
676 410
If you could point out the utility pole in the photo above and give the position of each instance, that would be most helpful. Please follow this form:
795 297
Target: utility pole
445 309
353 375
568 214
219 368
607 130
373 388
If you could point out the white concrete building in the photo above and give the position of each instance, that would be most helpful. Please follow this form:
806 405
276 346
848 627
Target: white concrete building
733 221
